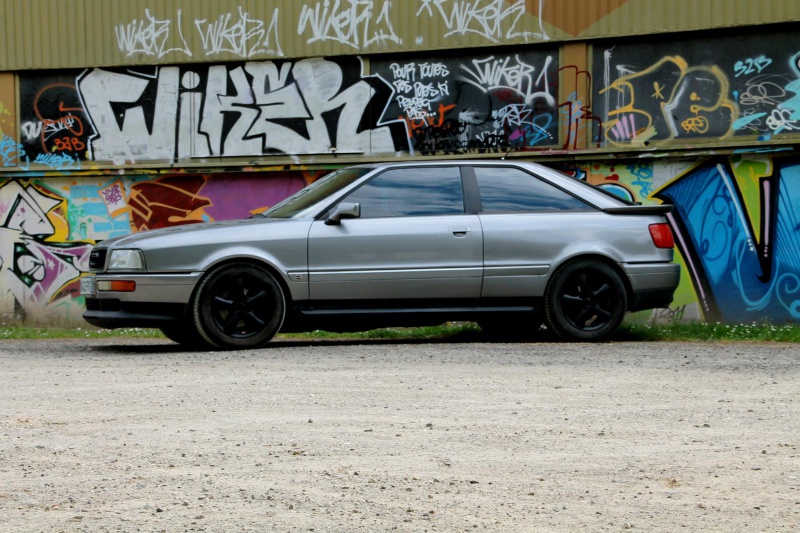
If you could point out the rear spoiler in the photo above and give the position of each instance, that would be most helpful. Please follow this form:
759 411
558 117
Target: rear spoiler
661 209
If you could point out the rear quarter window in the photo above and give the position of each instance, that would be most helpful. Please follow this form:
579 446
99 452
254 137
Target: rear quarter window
511 190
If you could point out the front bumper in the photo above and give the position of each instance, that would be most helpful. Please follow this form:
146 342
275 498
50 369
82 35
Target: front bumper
111 313
158 300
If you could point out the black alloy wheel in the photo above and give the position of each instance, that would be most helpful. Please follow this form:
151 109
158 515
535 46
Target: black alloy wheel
239 306
585 301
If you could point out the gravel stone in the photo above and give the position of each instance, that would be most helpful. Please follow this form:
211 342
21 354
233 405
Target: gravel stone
141 435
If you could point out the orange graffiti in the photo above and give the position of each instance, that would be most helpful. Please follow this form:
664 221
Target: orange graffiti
435 120
69 144
67 122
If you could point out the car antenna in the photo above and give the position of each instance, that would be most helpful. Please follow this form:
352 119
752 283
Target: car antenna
510 149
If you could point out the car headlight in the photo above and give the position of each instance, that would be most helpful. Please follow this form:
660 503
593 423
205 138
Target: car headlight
126 260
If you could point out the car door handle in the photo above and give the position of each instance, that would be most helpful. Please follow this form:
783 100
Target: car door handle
460 231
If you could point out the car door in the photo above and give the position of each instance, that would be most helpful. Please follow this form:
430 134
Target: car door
412 241
527 224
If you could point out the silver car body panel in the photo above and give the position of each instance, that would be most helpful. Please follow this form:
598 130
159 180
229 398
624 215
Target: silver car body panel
281 244
155 288
434 256
521 249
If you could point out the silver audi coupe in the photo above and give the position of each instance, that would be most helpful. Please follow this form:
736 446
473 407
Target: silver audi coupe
509 245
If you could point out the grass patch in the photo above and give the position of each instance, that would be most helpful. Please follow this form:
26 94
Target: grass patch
690 331
699 331
23 332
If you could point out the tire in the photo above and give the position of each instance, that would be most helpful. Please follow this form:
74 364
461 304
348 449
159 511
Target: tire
585 301
238 306
185 334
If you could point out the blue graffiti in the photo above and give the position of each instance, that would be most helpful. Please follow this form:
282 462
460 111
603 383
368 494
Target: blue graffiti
61 161
791 107
533 132
10 151
738 276
643 172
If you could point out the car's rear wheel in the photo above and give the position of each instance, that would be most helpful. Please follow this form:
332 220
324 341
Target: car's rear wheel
238 306
585 301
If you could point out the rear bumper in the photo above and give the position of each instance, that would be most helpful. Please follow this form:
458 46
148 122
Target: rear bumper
653 285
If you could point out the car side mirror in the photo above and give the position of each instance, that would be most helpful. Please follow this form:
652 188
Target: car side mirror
342 211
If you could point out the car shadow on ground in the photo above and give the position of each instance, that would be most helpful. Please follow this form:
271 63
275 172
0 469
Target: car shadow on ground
164 346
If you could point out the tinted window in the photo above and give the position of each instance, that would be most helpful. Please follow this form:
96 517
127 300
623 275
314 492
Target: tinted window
510 190
411 192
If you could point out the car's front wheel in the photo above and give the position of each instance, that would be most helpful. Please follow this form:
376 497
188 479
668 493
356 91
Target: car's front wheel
238 306
585 301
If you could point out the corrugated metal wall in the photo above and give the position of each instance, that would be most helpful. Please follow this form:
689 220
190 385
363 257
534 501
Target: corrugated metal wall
44 34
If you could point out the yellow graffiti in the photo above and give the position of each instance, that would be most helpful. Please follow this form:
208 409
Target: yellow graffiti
5 115
56 214
695 125
659 90
749 172
682 110
703 108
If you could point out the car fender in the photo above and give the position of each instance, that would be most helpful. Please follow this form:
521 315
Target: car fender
292 277
587 249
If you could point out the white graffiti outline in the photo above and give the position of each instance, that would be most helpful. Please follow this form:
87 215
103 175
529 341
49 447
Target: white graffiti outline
484 19
236 37
491 74
341 24
149 37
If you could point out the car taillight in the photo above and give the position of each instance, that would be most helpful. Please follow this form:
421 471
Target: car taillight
662 235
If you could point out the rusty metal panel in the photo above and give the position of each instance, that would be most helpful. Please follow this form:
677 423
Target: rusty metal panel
8 115
590 19
44 34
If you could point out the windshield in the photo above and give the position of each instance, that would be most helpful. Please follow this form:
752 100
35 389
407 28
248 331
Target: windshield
316 192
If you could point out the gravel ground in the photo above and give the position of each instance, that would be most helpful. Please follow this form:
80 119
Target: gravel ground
137 435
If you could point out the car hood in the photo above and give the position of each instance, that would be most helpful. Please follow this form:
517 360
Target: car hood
187 231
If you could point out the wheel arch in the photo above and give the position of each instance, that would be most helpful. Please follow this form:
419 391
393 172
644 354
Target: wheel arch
623 276
253 261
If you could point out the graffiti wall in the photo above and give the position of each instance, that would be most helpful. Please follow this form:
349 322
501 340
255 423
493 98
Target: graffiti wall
699 89
74 143
638 95
313 106
346 25
485 104
55 128
736 220
48 226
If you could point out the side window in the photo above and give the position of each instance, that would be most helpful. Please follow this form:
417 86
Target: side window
414 191
510 190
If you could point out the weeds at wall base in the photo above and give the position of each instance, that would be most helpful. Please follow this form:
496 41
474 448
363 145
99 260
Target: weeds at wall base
463 332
